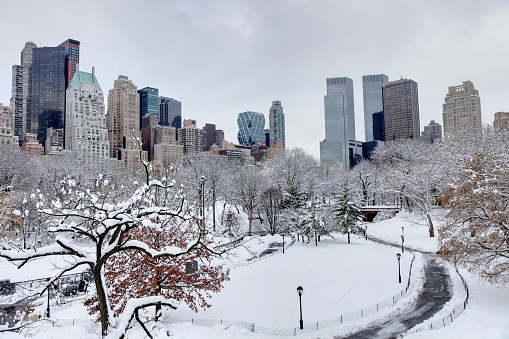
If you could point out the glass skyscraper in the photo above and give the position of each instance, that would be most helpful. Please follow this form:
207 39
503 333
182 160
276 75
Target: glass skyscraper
48 90
372 94
149 101
339 123
170 113
251 128
276 123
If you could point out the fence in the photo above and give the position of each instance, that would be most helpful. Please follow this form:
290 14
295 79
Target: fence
308 327
444 321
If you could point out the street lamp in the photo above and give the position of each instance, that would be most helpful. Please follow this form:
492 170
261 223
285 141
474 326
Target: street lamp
202 187
399 266
402 241
366 233
283 243
299 292
47 310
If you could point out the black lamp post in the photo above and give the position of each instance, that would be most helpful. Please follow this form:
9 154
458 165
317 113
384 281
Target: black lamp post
366 233
402 241
283 243
47 310
202 187
399 266
299 292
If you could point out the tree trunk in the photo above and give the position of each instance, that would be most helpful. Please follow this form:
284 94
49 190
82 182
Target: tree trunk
250 218
101 299
348 237
431 227
213 211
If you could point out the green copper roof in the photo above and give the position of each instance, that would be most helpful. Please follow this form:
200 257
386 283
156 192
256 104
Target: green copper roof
85 77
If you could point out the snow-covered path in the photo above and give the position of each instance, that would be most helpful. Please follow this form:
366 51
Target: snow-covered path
435 293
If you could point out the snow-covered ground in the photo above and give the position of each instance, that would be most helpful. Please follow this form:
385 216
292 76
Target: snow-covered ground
337 278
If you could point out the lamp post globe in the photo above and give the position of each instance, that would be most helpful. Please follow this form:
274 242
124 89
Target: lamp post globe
399 266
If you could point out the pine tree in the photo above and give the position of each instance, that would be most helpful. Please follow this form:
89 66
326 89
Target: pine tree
347 214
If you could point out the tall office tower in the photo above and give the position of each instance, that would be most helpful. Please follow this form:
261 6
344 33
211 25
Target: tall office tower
6 136
152 134
48 90
339 123
189 137
72 58
267 137
211 136
21 92
85 118
277 123
149 101
462 108
378 126
372 95
123 123
170 112
432 133
251 128
401 110
219 137
501 120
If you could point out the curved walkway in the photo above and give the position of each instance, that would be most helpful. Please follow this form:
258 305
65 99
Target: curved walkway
435 293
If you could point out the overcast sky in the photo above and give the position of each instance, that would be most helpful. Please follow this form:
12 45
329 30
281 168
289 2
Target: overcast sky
220 58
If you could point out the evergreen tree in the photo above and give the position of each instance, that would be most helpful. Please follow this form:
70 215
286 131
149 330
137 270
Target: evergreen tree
347 214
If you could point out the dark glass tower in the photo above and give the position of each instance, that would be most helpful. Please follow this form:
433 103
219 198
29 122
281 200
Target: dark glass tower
251 128
149 98
378 126
211 136
48 90
72 59
170 113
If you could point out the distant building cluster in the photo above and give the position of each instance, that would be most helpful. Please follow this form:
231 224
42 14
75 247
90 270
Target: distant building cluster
56 109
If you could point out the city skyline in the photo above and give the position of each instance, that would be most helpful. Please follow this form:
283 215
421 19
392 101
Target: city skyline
239 56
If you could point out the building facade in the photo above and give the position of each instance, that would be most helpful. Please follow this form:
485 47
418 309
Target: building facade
373 103
149 102
170 112
48 90
432 133
339 123
86 133
251 128
21 92
71 59
123 123
277 123
401 110
6 135
189 137
378 126
462 108
501 120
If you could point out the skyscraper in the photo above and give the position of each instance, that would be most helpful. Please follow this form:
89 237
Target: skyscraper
339 123
432 133
277 123
170 112
6 137
462 108
72 58
123 122
373 103
211 136
48 90
85 124
149 101
21 92
401 110
251 128
189 137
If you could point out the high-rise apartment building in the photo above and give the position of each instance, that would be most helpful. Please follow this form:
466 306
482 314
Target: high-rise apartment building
48 90
72 58
219 137
170 112
6 136
432 133
277 123
21 92
373 103
339 123
251 128
189 137
123 123
401 110
501 120
210 136
86 133
462 108
149 101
